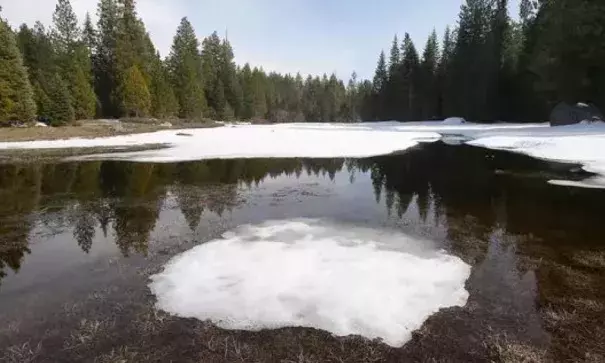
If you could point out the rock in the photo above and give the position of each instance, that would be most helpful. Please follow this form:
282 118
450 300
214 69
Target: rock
454 121
566 114
166 124
40 124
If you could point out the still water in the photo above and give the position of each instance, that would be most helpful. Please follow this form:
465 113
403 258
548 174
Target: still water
79 240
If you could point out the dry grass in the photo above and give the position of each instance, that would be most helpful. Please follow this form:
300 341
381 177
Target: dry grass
590 259
87 333
508 351
24 353
120 355
92 129
11 156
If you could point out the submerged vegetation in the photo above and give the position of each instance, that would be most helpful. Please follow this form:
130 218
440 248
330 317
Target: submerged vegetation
534 288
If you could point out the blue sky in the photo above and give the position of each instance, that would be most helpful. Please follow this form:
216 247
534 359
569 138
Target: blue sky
289 36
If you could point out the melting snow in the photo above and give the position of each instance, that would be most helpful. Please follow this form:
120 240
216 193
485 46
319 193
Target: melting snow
583 144
280 140
243 141
308 273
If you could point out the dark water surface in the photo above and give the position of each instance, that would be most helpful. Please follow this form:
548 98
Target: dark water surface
79 240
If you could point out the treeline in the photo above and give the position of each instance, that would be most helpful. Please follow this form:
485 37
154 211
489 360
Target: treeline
76 70
490 67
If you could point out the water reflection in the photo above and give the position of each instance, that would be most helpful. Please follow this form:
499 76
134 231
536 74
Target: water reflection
125 198
462 189
536 248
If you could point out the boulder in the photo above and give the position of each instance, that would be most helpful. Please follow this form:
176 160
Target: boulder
566 114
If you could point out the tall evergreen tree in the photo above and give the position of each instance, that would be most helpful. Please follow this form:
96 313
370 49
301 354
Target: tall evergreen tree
60 109
39 58
393 87
473 59
212 54
73 59
137 99
132 53
248 101
89 34
185 66
16 95
259 82
228 74
444 75
381 77
65 31
104 62
410 76
428 78
163 101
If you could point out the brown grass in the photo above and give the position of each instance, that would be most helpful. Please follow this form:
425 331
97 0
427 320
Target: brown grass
11 156
24 353
92 129
508 351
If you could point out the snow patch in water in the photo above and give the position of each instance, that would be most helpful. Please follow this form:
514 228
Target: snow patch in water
597 182
310 273
581 143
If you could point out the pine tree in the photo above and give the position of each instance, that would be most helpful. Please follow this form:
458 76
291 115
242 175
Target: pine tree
248 89
395 58
233 89
39 59
211 55
137 99
473 59
89 34
132 49
16 95
60 110
352 107
428 78
104 62
410 76
218 99
259 80
163 100
65 31
444 76
82 94
392 91
185 68
381 78
73 60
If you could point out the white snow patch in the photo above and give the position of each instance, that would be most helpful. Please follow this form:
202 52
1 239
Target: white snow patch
247 141
596 182
310 273
581 143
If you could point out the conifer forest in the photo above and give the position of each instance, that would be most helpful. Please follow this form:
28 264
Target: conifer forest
486 67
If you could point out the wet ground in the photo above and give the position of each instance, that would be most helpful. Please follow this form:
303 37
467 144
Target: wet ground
78 242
